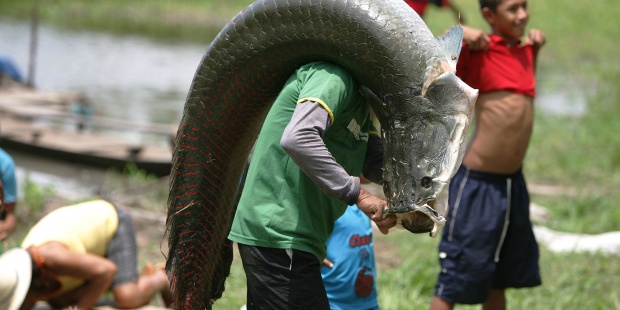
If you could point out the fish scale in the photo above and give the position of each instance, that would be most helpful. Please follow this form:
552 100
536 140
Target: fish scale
385 46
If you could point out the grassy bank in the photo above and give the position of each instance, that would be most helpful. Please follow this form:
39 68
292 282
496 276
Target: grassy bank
580 152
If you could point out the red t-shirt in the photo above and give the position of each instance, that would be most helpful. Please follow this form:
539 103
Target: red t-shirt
499 68
420 5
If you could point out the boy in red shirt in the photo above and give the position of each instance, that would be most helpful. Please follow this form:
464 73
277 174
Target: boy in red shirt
488 244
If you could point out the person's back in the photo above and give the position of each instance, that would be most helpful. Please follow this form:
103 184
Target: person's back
84 228
349 272
489 202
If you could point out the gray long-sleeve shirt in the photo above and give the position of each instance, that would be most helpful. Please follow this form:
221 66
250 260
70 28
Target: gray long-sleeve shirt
302 141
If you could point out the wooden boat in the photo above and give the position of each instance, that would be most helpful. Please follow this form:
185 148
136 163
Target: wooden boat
42 124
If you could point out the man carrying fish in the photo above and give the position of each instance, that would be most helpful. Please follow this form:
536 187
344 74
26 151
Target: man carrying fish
312 146
293 82
488 244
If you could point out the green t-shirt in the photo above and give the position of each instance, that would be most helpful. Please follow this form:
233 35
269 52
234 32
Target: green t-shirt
280 206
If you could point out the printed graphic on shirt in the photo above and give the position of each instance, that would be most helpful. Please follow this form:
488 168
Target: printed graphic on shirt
356 130
365 279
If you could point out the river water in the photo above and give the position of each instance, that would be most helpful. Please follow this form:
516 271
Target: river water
135 78
125 77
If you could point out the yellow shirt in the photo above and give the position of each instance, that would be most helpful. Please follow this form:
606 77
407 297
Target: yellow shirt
86 227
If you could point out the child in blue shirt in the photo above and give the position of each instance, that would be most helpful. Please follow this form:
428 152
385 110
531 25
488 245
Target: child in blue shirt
349 272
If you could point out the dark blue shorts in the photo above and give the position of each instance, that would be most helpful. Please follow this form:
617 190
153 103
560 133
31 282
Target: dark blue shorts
488 242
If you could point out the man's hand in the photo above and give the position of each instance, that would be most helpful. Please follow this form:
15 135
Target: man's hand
373 207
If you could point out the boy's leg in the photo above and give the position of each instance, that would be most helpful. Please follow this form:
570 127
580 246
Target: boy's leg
439 304
496 301
468 247
130 289
276 280
518 264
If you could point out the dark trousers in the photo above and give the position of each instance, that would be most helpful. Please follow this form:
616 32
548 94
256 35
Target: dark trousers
277 281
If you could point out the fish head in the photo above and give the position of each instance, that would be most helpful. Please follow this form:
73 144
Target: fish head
424 146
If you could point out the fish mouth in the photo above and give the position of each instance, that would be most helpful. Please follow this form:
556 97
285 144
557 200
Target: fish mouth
422 219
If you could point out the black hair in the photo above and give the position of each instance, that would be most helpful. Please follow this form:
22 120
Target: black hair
38 283
491 4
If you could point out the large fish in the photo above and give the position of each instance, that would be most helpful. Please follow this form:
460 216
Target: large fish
424 110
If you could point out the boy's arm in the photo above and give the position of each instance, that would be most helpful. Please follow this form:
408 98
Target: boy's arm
475 38
96 271
536 39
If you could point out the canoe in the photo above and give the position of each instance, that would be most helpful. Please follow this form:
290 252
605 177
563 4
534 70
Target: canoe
49 130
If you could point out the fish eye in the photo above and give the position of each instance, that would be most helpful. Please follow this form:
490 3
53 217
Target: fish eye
427 182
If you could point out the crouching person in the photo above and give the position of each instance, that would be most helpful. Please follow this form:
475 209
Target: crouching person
73 256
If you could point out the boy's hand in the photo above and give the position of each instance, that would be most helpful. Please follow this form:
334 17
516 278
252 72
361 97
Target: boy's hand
373 207
475 39
328 263
536 39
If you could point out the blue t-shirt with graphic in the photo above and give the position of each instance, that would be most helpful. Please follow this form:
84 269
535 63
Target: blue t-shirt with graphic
351 283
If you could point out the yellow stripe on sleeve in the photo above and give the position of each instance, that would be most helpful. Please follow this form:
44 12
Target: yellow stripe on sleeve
319 101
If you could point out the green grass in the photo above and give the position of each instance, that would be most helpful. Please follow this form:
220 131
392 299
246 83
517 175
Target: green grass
570 281
580 152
